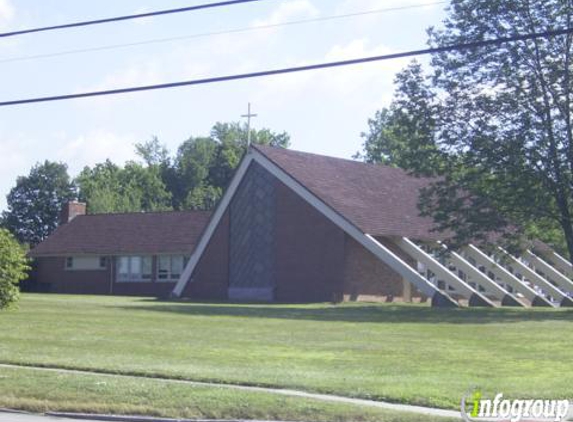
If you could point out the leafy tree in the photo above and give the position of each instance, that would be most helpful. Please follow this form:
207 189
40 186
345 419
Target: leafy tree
153 153
134 188
502 122
403 134
194 178
204 166
193 163
232 141
13 268
35 203
203 197
147 182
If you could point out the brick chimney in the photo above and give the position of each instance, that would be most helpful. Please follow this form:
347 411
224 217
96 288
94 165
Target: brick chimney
71 210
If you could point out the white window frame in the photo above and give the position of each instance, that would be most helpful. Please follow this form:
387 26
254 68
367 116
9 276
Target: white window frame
133 277
69 263
171 277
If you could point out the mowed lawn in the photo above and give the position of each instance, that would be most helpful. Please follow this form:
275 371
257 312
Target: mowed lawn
400 353
40 391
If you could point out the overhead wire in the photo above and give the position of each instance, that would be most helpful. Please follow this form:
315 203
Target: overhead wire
297 69
127 17
217 33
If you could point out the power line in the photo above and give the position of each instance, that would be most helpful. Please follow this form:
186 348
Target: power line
224 32
126 17
363 60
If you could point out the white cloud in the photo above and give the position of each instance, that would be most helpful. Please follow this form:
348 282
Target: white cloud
288 10
134 75
143 21
13 153
348 79
20 153
349 6
95 147
16 161
340 82
7 11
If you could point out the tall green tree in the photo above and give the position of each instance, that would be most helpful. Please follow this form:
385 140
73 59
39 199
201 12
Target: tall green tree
232 145
204 166
35 203
402 135
193 163
13 268
193 178
502 121
153 152
108 187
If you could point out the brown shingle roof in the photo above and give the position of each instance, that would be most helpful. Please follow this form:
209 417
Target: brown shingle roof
379 200
130 233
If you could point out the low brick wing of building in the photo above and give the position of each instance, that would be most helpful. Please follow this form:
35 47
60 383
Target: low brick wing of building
140 254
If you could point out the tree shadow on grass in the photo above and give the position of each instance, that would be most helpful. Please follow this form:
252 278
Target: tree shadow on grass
367 313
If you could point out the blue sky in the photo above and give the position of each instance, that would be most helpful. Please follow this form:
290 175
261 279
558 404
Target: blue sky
324 111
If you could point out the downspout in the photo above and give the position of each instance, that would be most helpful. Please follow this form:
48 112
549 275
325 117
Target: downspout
111 265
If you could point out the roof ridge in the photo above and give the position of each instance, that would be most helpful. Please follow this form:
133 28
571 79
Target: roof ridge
349 160
144 213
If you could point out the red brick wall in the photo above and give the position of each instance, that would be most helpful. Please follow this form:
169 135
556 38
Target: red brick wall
366 278
211 277
309 252
53 272
158 289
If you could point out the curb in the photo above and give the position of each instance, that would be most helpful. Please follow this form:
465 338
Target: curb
125 418
19 412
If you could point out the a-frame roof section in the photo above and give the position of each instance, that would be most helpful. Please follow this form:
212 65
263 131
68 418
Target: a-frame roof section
379 200
260 156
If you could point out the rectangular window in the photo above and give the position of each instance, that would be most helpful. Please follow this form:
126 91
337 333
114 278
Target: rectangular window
85 263
170 267
146 267
123 267
176 266
134 268
163 268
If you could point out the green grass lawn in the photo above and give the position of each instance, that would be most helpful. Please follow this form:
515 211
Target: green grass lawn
401 353
40 392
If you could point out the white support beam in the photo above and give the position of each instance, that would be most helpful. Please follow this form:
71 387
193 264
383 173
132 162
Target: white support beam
405 270
562 281
538 280
506 298
562 264
475 297
506 277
